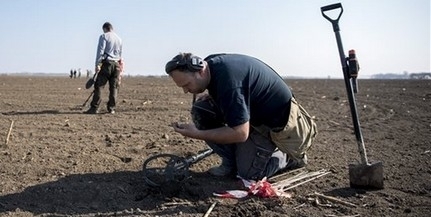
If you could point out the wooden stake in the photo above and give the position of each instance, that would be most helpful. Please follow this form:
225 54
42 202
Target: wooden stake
334 199
283 185
8 134
303 182
177 203
210 209
285 174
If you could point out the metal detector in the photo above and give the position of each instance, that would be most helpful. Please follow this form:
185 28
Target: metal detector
364 175
168 168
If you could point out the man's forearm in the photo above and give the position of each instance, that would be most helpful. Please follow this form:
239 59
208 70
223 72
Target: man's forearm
223 135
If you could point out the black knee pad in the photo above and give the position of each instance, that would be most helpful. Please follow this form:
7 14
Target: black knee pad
206 114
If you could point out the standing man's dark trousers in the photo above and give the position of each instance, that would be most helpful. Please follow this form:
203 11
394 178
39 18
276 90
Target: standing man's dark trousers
109 72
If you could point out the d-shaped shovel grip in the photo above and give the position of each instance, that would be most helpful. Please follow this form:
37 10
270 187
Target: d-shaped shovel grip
333 21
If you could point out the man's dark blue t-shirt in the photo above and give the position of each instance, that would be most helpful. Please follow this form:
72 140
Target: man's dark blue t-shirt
246 89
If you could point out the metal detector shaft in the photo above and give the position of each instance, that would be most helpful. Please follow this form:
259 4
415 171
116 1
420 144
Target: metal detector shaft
195 158
85 103
350 94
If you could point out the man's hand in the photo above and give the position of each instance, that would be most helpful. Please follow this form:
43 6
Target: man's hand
121 63
185 129
221 135
97 69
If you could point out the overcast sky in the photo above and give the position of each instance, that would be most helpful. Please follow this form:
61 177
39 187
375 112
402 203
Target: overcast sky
290 35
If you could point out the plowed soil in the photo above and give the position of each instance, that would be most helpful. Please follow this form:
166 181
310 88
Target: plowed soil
60 162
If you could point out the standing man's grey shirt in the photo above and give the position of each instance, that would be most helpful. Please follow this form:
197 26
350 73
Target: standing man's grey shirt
110 47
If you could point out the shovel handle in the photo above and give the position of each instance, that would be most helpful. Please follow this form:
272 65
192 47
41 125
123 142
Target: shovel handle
333 21
331 7
349 88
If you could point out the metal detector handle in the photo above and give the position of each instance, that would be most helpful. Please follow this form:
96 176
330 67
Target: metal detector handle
332 7
349 88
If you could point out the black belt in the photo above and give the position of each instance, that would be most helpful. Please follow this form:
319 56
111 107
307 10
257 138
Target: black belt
112 61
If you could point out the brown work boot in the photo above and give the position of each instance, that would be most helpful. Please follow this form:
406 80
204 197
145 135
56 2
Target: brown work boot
295 164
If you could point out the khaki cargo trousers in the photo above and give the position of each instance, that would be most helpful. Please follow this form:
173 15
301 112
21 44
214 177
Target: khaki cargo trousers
298 134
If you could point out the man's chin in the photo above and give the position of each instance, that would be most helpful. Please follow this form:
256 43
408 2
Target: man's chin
197 91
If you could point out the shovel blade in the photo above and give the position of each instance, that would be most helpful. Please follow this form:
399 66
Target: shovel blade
89 83
367 176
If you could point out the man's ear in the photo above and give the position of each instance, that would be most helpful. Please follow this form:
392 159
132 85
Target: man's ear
204 72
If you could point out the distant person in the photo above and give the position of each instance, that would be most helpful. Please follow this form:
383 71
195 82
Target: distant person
250 117
88 73
109 67
74 73
79 72
71 73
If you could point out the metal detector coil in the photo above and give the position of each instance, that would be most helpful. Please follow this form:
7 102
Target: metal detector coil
168 168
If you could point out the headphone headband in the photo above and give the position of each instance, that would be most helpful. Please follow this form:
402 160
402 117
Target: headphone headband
191 63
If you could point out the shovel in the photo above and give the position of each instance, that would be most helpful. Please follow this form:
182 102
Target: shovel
91 81
363 175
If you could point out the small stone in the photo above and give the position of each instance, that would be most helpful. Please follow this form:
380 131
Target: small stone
165 136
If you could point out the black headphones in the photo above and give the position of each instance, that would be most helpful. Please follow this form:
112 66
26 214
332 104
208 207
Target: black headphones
192 63
195 63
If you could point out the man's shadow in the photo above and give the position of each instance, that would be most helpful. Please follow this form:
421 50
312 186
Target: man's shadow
109 193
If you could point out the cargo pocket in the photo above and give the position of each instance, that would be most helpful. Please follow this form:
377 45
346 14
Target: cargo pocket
259 163
261 159
299 133
254 155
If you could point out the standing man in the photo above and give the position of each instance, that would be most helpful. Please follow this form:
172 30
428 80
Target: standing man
250 117
108 68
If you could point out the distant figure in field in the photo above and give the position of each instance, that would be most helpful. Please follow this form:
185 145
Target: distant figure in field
71 73
88 73
79 72
74 73
108 66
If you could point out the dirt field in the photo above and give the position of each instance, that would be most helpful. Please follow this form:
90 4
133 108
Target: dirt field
60 162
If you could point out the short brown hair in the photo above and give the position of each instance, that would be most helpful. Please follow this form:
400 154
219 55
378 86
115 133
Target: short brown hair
108 26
